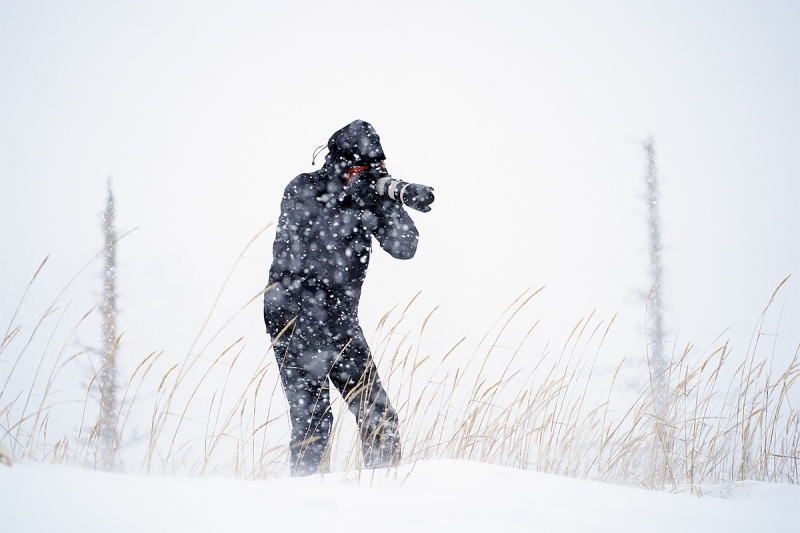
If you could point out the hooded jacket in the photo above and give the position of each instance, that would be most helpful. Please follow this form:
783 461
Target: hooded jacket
323 240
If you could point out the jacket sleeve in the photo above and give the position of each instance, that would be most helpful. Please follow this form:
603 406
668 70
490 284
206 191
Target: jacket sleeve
395 230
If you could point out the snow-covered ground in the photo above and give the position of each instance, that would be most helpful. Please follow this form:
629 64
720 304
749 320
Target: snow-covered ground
427 496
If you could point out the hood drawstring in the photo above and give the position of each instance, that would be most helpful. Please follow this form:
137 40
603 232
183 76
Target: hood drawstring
317 152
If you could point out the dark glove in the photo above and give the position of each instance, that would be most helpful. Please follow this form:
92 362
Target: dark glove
362 189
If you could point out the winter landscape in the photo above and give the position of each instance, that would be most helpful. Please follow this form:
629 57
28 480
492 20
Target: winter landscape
600 330
430 496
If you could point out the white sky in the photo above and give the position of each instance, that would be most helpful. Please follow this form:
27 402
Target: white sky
526 117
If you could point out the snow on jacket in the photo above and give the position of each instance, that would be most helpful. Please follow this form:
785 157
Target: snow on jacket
323 243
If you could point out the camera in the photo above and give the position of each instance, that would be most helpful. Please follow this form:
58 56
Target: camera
368 186
414 195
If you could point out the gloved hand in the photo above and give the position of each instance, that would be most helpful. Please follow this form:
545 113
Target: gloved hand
362 188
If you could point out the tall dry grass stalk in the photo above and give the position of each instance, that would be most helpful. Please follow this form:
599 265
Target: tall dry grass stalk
221 412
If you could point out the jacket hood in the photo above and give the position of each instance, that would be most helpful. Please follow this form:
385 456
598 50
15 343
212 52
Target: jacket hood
356 143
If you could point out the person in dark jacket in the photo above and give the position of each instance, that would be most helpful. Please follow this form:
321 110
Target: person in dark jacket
320 258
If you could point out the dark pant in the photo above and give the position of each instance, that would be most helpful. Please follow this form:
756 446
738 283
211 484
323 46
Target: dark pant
309 354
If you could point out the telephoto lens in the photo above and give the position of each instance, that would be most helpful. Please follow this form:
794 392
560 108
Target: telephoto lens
414 195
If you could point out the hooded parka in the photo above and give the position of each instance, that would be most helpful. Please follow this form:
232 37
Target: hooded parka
320 258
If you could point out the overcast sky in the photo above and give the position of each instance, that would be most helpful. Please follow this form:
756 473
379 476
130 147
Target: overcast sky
527 118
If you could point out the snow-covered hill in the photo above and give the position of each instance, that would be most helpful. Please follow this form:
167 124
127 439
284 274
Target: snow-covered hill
427 496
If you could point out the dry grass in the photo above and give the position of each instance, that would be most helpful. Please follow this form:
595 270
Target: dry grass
727 417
